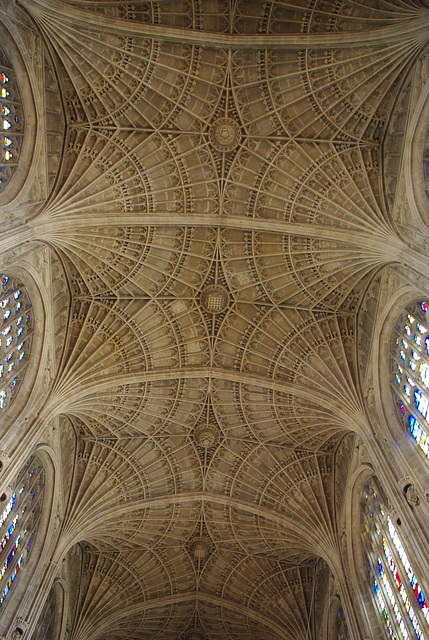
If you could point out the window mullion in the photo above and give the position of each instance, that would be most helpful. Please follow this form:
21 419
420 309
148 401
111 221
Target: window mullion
390 577
406 573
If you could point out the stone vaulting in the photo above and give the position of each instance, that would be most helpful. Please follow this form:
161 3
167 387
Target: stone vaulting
218 211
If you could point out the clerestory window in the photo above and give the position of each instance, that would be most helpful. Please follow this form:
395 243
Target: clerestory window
19 522
15 337
398 595
411 372
11 123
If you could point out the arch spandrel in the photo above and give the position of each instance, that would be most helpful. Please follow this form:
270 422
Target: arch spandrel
139 409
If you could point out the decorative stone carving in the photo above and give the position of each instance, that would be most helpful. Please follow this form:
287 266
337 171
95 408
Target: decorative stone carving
206 436
214 298
4 457
412 496
20 629
200 548
225 134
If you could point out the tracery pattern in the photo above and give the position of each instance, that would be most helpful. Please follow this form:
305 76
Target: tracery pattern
294 271
328 98
137 261
11 121
397 592
251 17
219 214
308 182
19 522
15 337
410 360
124 172
318 16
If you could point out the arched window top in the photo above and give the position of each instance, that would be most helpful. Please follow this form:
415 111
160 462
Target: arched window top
11 123
410 372
19 522
398 596
15 337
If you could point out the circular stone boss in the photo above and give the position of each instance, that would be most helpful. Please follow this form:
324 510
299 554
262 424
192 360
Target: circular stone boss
214 298
225 134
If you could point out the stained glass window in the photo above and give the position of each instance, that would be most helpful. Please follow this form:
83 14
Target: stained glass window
15 337
411 372
342 632
11 121
19 521
397 593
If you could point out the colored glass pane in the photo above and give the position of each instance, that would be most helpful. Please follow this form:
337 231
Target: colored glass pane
342 632
14 331
409 571
11 124
19 523
398 594
411 374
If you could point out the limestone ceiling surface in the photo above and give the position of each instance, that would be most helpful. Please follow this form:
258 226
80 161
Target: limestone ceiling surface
219 212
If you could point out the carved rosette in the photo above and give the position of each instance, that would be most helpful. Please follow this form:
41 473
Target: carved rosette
206 436
225 134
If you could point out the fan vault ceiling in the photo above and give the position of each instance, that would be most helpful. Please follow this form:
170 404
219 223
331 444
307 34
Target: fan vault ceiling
219 211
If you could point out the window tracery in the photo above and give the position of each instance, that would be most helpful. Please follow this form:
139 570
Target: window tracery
11 121
19 521
411 371
15 336
398 595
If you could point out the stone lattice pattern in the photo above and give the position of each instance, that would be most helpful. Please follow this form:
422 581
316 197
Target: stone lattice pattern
219 213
